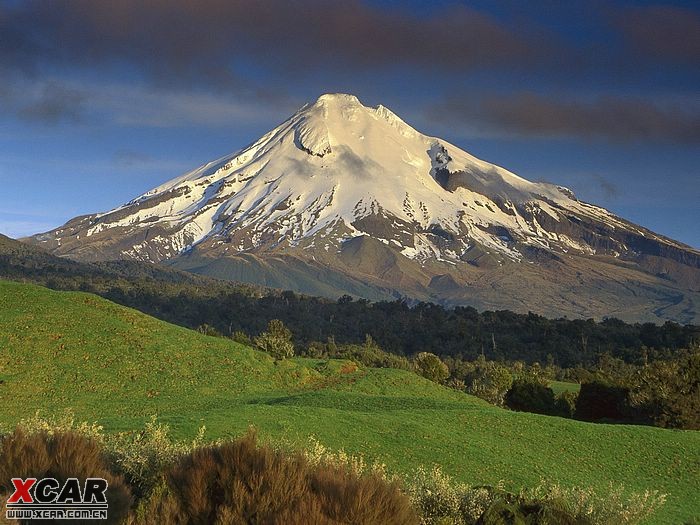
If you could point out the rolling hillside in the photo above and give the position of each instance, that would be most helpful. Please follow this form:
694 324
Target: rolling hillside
118 366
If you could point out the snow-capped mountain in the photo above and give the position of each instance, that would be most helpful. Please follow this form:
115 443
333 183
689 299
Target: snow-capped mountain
347 198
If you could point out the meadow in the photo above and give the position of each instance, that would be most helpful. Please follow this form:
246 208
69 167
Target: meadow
119 367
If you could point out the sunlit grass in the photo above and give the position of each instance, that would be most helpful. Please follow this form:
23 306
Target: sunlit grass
119 367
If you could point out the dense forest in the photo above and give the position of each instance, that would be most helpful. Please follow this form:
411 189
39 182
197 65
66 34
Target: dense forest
398 327
408 330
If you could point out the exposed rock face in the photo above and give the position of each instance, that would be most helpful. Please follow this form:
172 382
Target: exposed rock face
343 198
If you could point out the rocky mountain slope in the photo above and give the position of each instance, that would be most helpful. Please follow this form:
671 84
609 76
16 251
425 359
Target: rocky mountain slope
343 198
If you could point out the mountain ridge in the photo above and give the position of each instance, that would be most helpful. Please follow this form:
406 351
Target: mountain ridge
336 171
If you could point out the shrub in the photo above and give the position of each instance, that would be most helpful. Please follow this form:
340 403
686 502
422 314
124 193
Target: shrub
241 337
316 350
436 496
206 329
276 341
510 511
61 455
240 482
531 396
667 393
144 456
368 354
614 506
490 382
599 400
431 367
442 501
317 454
456 384
566 403
61 424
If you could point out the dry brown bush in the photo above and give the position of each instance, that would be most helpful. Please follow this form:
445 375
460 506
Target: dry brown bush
241 482
61 456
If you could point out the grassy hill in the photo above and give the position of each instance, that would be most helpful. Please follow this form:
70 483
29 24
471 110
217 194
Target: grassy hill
118 366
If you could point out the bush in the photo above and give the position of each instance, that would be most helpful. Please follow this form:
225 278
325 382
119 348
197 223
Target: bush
144 456
599 400
276 341
667 393
531 396
317 454
315 350
368 354
431 367
206 329
61 455
511 511
614 506
240 482
566 404
241 337
442 501
61 424
489 381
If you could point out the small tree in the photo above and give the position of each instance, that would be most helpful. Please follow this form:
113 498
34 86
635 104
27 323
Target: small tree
489 381
667 393
276 341
431 367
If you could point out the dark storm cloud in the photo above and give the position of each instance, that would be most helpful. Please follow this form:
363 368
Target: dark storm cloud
665 32
615 118
172 39
47 102
252 50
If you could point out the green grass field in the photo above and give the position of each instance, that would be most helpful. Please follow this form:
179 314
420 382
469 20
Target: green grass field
117 366
562 386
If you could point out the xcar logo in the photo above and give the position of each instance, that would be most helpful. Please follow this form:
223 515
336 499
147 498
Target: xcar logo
46 498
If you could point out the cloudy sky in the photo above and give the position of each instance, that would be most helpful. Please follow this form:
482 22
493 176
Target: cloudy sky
102 100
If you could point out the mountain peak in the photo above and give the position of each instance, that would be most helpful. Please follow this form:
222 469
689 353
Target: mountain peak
341 120
343 108
336 98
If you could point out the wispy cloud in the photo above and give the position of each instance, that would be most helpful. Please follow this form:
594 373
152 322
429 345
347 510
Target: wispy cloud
610 117
147 106
669 33
57 100
178 40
